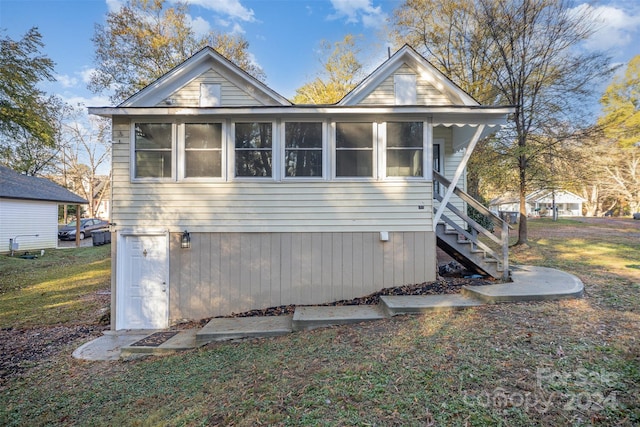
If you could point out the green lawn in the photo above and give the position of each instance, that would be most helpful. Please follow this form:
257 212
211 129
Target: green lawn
53 289
573 362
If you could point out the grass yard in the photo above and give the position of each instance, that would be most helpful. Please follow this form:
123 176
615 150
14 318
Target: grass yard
573 362
57 288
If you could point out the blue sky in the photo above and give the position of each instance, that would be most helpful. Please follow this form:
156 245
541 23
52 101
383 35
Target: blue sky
284 35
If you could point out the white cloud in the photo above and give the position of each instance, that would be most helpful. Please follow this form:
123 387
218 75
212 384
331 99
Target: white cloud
615 27
66 81
114 5
83 102
199 25
85 74
359 10
237 29
232 8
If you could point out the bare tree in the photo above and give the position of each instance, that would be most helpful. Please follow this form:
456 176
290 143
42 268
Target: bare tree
526 51
87 152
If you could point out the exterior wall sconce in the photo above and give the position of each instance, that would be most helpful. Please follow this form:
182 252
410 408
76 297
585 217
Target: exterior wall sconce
185 243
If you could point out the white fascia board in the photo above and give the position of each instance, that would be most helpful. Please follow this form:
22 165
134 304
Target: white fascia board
446 116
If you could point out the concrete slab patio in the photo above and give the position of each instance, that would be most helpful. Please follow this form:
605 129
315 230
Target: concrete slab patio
529 284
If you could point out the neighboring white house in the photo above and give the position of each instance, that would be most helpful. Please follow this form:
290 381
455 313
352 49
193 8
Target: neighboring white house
540 203
227 197
29 210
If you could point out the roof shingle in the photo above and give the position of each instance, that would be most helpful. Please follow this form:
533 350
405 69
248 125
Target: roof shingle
14 185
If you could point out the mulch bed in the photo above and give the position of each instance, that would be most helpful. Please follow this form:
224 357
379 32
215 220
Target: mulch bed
446 285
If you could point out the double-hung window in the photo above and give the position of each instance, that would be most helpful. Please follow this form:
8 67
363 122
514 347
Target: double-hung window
202 150
153 146
303 149
404 149
354 149
253 149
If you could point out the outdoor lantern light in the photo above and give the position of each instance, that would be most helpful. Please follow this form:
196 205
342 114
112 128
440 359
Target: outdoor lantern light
186 240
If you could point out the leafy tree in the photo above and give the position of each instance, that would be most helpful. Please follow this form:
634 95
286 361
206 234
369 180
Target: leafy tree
342 72
621 106
521 53
25 153
25 111
144 39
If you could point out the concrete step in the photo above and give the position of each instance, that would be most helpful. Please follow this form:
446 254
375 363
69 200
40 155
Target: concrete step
412 304
222 329
529 284
311 317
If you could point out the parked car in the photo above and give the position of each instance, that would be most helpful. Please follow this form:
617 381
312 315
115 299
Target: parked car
87 225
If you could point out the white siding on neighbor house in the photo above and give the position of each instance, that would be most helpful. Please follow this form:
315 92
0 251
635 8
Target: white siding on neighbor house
28 217
226 273
231 95
426 92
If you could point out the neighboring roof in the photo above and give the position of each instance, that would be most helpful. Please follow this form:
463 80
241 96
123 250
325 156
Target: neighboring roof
561 196
540 196
14 185
505 199
193 67
407 55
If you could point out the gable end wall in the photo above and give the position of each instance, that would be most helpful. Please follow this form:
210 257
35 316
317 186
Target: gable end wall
427 93
231 95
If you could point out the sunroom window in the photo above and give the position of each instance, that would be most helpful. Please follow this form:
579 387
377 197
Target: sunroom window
153 150
303 149
253 143
354 150
203 150
404 149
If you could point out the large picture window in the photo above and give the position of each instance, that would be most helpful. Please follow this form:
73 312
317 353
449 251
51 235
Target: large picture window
254 142
354 150
203 150
303 149
153 150
404 149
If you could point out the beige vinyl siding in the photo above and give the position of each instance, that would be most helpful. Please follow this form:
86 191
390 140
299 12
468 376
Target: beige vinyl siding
231 95
264 206
274 207
427 94
226 273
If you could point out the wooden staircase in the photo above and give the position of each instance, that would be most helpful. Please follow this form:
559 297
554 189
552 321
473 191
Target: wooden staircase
480 250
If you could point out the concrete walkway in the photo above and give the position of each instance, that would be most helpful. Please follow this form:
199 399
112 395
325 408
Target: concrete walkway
529 284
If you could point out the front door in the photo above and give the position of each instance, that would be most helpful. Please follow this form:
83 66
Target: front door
142 300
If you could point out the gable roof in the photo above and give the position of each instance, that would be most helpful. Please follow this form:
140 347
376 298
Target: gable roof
193 67
407 55
561 196
14 185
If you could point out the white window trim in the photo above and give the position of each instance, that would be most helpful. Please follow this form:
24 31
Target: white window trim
182 158
275 158
375 148
325 150
132 151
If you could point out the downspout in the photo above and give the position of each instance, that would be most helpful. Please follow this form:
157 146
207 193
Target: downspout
458 174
